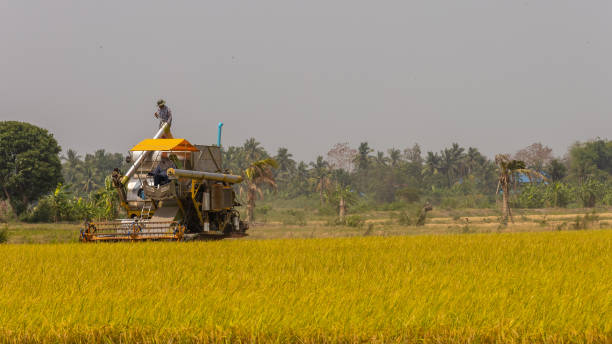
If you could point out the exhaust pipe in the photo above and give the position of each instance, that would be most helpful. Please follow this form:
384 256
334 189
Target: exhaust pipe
219 134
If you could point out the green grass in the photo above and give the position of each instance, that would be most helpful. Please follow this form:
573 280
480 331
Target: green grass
517 287
24 233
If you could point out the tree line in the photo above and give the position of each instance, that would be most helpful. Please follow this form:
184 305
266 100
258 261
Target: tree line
454 177
35 175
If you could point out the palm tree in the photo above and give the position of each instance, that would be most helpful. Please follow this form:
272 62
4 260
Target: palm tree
71 166
320 175
432 163
381 159
300 179
395 156
256 176
88 178
283 158
233 158
253 151
362 159
508 171
450 162
472 160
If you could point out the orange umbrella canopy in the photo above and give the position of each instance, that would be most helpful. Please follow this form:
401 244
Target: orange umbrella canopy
172 145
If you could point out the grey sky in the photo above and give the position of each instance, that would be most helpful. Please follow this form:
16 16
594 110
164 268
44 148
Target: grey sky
497 75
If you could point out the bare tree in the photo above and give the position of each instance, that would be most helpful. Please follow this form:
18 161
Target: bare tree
341 156
535 156
413 154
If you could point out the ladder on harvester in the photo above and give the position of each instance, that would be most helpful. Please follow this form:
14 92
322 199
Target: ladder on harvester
145 212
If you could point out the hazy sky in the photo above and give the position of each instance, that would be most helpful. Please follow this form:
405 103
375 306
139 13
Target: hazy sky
497 75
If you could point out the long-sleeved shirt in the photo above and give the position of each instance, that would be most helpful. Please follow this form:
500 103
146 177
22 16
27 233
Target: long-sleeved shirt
164 114
163 166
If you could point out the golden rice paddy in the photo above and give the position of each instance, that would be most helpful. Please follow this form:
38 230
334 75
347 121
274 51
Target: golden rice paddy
515 287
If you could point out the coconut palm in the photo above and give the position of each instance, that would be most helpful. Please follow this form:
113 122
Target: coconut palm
450 162
88 178
432 163
472 160
283 158
300 179
321 176
362 159
253 150
71 165
381 159
395 156
233 158
256 176
509 170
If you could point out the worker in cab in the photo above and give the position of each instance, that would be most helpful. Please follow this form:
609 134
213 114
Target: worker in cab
163 114
160 174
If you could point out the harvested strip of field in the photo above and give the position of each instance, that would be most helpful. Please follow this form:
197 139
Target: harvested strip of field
543 287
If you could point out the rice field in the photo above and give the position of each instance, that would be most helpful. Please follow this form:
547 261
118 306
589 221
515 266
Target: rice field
551 287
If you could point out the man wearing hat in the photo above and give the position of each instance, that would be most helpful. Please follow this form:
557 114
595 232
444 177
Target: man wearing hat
163 114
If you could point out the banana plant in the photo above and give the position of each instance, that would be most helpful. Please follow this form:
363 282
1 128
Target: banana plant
256 176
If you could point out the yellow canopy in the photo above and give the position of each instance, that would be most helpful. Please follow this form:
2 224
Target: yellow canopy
174 145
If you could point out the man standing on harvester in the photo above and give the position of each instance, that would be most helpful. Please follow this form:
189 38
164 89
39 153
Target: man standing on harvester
163 114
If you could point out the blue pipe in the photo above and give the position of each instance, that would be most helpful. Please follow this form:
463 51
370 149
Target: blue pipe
219 134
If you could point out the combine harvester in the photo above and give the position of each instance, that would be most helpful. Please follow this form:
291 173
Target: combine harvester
194 199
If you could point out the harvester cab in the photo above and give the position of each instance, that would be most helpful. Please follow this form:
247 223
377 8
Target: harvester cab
174 190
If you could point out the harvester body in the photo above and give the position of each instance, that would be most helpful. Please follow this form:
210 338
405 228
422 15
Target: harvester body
196 199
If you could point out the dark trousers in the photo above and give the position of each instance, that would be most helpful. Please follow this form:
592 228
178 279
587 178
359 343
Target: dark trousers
160 179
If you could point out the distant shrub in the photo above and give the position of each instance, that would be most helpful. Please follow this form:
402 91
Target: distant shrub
586 221
263 210
393 206
6 212
261 213
542 222
327 209
466 226
43 211
4 235
354 221
404 219
350 221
